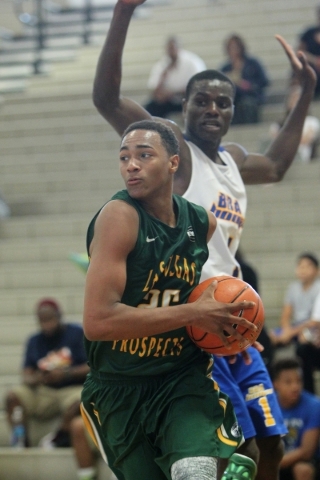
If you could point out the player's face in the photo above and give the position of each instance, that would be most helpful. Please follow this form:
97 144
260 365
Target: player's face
145 164
289 386
306 270
49 320
208 111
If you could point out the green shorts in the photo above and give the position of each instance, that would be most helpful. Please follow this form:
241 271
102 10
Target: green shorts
142 425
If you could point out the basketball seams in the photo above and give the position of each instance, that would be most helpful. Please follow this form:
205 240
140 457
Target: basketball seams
238 295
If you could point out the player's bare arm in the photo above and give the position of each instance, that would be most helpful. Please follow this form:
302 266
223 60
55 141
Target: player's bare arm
119 111
305 452
272 166
212 225
106 318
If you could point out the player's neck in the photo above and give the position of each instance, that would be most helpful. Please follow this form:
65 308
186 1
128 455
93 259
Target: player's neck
163 210
308 284
208 148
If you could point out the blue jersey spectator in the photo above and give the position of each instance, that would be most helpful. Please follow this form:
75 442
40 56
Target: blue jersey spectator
301 412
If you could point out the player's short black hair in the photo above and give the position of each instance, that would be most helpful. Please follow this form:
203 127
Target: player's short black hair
168 138
208 75
284 364
310 256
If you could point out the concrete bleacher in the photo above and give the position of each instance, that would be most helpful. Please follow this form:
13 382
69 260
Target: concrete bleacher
58 164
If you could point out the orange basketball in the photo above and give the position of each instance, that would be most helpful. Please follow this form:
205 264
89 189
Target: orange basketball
229 290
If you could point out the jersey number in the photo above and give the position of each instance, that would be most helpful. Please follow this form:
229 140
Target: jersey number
268 418
157 298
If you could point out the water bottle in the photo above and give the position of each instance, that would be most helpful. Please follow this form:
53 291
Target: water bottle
18 439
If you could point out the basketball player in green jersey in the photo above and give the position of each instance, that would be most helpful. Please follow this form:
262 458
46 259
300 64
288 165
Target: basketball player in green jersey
207 111
148 401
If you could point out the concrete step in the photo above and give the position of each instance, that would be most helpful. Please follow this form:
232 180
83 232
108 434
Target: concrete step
55 274
44 226
43 250
41 204
11 359
282 240
21 301
39 464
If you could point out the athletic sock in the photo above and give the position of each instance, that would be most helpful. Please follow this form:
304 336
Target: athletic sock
87 473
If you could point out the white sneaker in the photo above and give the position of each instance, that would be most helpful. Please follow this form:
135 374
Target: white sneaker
46 442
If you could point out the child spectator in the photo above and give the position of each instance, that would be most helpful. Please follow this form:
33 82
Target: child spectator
308 349
301 412
299 300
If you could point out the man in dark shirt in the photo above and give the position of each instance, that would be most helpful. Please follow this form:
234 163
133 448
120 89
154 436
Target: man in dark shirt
54 369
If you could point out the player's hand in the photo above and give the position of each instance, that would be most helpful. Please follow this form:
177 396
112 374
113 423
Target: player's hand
217 317
304 74
246 357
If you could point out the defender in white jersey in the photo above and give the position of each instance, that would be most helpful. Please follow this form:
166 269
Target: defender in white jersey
221 189
208 110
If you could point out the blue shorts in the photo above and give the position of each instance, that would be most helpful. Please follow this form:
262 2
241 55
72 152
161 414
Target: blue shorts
251 392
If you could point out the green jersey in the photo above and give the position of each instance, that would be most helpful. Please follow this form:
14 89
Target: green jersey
162 270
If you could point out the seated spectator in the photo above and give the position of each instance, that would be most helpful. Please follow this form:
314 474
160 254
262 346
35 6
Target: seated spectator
299 300
250 79
54 369
310 133
169 77
301 413
309 43
308 349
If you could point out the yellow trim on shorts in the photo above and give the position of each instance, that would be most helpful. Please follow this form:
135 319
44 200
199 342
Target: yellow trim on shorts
223 404
91 429
224 439
222 434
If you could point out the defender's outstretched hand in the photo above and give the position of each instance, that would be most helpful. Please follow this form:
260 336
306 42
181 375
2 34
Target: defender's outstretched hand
303 72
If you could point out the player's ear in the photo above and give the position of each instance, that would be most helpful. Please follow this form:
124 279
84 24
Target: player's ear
174 163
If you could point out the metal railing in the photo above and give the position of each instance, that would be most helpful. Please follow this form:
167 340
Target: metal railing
42 19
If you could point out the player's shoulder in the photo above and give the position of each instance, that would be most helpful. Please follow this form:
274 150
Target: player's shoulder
121 206
236 151
310 397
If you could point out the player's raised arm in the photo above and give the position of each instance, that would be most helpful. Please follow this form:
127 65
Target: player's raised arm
272 166
117 110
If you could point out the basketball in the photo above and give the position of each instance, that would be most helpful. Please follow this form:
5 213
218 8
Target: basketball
229 290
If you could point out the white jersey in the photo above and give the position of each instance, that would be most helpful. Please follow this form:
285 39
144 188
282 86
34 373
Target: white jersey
219 188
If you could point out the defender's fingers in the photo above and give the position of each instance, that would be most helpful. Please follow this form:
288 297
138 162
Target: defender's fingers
289 52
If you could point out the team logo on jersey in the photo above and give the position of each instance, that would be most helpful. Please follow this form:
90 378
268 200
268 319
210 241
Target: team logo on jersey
150 239
236 430
191 234
228 208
